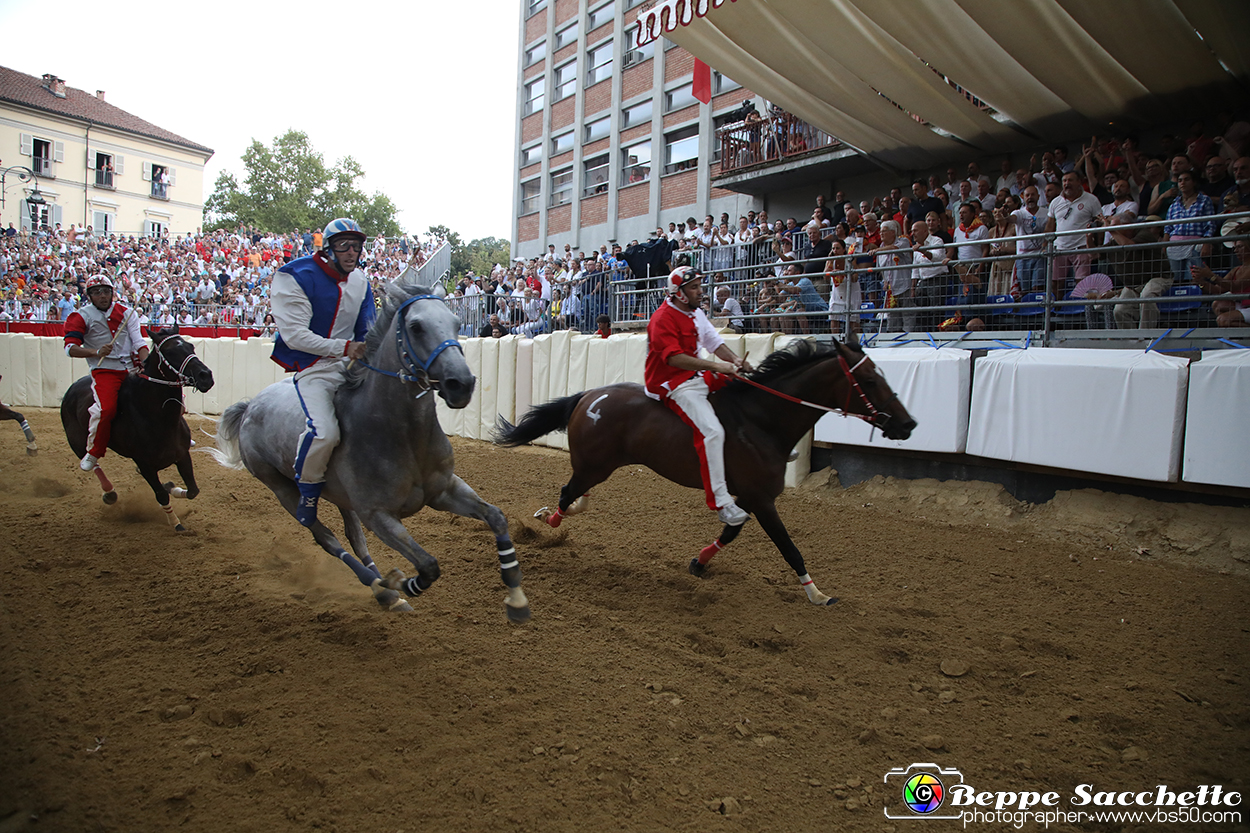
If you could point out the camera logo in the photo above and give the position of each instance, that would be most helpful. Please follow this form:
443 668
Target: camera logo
923 788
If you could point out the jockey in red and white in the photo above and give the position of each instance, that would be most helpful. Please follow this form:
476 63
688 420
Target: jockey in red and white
676 375
106 333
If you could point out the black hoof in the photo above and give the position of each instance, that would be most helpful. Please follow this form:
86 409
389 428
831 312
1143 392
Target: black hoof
697 569
832 600
518 615
179 528
109 498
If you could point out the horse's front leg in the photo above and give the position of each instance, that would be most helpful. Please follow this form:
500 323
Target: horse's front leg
187 472
391 531
698 566
152 476
771 523
459 499
7 413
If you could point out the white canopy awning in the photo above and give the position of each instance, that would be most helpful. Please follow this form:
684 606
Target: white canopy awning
880 74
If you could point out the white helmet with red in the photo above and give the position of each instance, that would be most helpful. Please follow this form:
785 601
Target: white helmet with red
681 276
98 280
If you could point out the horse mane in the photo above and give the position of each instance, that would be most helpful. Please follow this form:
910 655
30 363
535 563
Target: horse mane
780 362
380 329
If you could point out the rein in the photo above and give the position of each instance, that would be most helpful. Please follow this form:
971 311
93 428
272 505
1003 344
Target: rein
849 371
417 371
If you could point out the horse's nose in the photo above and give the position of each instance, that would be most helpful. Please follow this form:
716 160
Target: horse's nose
901 429
457 391
204 381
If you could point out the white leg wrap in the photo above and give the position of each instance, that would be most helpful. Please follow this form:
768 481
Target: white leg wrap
813 595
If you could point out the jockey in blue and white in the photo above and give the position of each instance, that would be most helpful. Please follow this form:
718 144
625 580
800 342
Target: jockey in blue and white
323 307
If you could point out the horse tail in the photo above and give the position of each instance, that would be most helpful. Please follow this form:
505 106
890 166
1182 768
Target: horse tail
543 419
227 451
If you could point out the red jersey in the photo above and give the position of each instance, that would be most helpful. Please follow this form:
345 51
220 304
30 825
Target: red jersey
669 332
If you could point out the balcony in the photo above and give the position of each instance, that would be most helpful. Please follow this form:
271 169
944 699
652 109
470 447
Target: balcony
104 179
160 190
42 166
779 151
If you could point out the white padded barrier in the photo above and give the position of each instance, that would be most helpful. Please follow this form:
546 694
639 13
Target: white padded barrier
524 378
471 414
933 386
616 358
579 360
558 379
635 357
32 366
541 367
11 390
1114 412
758 346
505 396
487 389
1217 446
597 357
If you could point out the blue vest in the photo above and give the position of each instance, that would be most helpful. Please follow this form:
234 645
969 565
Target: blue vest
324 293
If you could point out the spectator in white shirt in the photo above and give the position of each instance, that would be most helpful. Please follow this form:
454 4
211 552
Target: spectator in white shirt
1030 218
1073 210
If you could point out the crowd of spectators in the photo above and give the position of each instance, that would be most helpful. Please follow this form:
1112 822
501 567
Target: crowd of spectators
219 279
956 241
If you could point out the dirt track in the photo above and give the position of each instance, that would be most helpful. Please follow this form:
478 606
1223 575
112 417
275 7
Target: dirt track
237 679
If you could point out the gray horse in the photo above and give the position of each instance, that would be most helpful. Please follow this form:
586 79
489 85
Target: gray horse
393 458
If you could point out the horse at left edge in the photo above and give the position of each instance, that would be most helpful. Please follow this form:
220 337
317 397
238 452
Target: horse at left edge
149 427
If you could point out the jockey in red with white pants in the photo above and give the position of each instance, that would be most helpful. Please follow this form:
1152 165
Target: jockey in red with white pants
105 333
676 375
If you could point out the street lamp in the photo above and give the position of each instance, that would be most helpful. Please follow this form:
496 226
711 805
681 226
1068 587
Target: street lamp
25 175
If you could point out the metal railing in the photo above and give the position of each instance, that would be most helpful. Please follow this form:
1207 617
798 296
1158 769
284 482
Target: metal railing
778 136
1143 286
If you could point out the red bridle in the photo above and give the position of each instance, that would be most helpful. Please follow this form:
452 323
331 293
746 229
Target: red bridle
852 386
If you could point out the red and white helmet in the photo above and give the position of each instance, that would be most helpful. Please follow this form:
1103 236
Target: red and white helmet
681 276
98 280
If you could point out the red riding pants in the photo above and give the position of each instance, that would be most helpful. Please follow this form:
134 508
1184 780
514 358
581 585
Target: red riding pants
104 387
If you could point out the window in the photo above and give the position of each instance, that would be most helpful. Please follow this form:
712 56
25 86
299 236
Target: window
679 98
681 149
668 44
535 96
566 36
154 228
531 154
103 222
562 143
629 4
565 80
636 56
105 168
531 190
162 178
636 165
599 63
597 129
637 114
595 175
723 84
535 53
43 153
561 187
536 6
600 16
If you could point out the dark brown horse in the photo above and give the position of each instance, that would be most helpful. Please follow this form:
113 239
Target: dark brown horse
618 425
149 427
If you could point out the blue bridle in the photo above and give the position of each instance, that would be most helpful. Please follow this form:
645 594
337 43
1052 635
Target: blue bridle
417 371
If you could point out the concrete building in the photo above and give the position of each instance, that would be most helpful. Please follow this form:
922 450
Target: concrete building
610 141
95 164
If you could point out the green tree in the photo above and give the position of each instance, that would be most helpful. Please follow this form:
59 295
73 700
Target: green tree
290 186
484 253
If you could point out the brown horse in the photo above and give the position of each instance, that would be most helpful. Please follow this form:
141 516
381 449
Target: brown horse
618 425
8 413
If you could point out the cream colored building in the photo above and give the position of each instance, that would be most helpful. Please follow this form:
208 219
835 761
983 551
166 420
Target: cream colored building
95 164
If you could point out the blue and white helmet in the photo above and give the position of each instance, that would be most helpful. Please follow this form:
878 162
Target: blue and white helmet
343 225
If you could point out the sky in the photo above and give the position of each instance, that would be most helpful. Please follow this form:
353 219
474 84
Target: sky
421 94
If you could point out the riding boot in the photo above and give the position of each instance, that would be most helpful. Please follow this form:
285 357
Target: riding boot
306 510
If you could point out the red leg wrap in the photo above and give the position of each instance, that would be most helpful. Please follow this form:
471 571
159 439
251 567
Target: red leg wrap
705 554
555 518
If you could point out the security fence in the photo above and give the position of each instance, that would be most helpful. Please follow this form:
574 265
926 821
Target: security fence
1043 284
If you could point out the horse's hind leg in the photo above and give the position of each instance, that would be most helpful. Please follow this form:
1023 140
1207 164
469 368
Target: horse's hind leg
395 536
573 496
356 538
770 521
460 499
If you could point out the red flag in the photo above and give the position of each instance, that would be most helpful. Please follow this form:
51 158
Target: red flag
701 86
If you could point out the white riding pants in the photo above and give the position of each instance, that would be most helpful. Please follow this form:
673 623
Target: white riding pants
690 398
316 386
